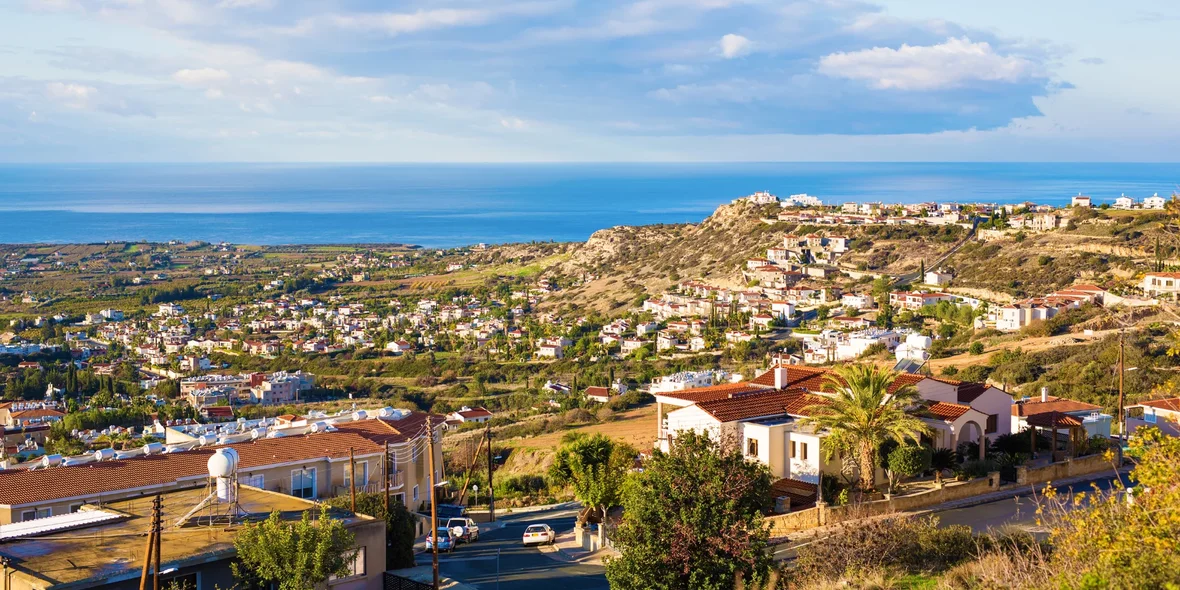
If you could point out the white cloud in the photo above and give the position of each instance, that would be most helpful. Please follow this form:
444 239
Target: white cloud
74 96
732 46
381 99
245 4
951 64
213 93
513 123
34 117
201 76
400 23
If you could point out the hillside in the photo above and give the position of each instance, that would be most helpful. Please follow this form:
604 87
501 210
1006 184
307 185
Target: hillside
618 267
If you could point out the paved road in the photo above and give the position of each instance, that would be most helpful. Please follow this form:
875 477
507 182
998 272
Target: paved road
1018 511
520 567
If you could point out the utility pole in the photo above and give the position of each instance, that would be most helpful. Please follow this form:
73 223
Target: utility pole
352 478
385 474
157 526
1122 418
151 548
433 505
491 488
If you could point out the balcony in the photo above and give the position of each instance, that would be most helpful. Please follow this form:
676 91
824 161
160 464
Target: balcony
375 485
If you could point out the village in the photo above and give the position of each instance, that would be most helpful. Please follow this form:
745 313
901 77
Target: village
752 360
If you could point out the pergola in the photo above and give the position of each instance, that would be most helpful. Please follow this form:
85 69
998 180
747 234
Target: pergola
1055 421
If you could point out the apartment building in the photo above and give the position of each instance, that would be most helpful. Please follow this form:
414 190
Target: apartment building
299 456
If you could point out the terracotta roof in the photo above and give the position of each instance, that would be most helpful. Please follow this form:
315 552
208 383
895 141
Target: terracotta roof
794 489
598 391
36 413
1055 404
945 411
1170 404
712 392
1046 420
742 406
474 413
816 379
21 486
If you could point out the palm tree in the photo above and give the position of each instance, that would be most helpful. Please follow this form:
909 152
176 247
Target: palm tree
864 413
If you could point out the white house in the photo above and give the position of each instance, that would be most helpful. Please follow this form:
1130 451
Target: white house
1039 410
1160 413
1154 202
937 278
858 301
467 414
1079 201
683 380
1161 283
1124 202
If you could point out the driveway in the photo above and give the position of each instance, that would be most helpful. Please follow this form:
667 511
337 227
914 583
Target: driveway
520 567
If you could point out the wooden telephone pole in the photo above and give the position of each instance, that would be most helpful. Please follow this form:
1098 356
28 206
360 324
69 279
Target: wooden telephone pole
352 477
433 504
153 547
385 472
1121 417
491 488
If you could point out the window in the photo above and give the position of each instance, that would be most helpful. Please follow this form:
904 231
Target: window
257 480
803 451
185 582
28 515
752 447
415 493
991 424
362 471
75 507
303 483
793 444
356 567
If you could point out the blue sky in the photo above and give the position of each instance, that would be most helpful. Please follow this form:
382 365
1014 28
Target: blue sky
602 80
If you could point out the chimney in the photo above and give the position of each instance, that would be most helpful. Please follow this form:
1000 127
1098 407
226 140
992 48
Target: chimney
780 377
1044 394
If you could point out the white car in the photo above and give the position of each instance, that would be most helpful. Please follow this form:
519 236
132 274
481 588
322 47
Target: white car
539 534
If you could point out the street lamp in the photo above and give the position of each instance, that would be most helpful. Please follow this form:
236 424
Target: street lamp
475 490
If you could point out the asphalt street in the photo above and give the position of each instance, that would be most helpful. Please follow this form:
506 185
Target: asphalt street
1018 511
518 567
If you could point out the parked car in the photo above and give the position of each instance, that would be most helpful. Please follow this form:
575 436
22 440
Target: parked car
539 534
468 529
446 540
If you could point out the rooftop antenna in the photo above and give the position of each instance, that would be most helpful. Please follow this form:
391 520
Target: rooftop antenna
222 499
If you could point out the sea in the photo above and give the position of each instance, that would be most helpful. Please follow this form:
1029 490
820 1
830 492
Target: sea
445 205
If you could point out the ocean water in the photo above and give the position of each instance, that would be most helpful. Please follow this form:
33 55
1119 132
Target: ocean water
449 205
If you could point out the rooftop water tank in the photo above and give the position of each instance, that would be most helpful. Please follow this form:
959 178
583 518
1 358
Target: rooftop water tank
223 463
104 454
153 448
51 460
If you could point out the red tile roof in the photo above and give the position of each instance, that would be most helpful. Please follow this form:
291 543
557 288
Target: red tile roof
712 392
1046 420
1171 404
945 411
816 379
1055 404
742 406
20 486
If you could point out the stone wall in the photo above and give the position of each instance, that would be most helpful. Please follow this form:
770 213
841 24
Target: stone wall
793 522
1062 469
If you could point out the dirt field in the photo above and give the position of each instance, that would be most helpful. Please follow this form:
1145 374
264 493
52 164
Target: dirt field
636 427
1025 344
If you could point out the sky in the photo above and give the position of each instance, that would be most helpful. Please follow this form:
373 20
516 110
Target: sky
589 80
